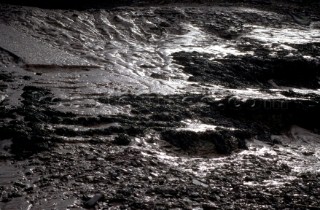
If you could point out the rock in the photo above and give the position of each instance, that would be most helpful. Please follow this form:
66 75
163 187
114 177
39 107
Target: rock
211 142
209 206
89 178
20 184
29 188
308 153
197 182
122 140
300 19
159 76
93 201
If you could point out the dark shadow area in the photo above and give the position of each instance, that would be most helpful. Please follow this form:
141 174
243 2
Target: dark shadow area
96 4
251 71
72 4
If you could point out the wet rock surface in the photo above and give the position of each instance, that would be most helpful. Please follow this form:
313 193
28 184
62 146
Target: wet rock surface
188 106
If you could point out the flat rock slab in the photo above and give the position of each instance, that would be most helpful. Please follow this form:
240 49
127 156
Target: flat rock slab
35 52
